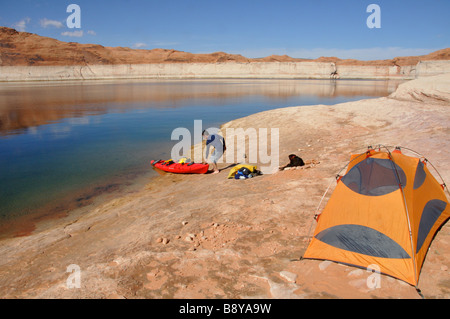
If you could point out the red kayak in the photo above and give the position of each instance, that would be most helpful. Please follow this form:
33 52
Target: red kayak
181 168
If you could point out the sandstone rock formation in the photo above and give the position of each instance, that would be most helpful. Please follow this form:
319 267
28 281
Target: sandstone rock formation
28 49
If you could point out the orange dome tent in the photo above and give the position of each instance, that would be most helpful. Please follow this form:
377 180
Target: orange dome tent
384 212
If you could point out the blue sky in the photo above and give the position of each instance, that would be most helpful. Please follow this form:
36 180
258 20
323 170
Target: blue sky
299 28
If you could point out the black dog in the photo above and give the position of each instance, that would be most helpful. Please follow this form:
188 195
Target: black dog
294 160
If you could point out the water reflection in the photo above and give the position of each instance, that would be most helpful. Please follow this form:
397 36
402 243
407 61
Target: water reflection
62 142
25 106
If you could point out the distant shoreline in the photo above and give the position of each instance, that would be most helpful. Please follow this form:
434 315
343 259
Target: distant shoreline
222 70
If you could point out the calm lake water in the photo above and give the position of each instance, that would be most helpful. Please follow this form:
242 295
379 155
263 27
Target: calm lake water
63 143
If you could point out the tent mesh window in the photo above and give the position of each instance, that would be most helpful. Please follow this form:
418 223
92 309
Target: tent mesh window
431 213
362 240
420 177
375 177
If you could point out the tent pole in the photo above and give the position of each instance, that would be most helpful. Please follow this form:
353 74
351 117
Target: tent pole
437 172
312 221
407 219
320 203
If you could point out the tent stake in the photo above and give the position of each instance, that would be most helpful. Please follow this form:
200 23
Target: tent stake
419 292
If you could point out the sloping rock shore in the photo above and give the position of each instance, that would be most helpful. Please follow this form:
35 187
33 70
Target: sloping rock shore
205 236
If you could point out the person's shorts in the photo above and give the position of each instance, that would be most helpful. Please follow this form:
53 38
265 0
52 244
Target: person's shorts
215 156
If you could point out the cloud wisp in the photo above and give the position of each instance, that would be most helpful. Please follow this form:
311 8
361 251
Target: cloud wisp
139 45
77 34
22 24
45 23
